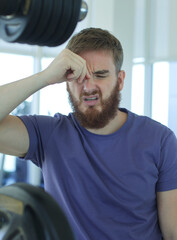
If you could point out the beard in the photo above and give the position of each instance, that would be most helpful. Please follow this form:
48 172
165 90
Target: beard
93 118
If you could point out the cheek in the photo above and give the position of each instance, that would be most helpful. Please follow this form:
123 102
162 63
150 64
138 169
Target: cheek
107 89
75 88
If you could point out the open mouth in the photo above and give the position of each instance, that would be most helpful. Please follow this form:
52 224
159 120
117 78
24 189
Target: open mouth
91 100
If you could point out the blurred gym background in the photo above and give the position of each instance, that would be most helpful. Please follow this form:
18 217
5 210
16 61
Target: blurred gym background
147 30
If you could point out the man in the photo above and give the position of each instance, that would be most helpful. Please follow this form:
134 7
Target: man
113 172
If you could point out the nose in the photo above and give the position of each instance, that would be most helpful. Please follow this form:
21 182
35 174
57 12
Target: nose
89 84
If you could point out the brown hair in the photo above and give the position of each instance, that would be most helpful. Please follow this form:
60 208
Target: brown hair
97 39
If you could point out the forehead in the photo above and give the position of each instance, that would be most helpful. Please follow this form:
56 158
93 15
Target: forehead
99 59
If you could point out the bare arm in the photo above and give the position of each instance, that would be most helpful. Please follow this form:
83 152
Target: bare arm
11 95
14 138
167 210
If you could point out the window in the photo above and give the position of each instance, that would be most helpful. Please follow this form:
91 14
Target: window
172 102
160 92
137 102
53 98
14 67
164 94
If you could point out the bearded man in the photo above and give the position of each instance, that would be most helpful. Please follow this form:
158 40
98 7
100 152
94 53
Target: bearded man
113 173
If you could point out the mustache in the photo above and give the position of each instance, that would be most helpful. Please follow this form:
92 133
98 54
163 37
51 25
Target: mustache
93 92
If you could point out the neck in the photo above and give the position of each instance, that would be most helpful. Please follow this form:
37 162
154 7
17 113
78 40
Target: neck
114 125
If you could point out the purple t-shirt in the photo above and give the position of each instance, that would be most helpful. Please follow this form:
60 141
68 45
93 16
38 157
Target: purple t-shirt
106 184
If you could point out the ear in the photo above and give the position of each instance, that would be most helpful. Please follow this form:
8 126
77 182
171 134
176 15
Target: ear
121 77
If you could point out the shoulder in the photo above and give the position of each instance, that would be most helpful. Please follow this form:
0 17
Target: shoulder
147 127
45 123
44 119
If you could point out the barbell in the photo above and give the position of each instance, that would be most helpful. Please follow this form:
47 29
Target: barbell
29 213
40 22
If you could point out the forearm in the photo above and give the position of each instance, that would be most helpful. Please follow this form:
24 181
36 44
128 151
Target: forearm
170 238
171 235
12 94
167 212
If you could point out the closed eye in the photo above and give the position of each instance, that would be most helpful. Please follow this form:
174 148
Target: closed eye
100 76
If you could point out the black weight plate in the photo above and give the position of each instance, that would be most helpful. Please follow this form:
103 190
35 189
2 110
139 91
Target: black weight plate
63 23
11 29
53 23
33 211
43 22
67 24
73 22
33 17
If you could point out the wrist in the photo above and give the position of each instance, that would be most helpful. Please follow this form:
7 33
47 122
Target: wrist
42 79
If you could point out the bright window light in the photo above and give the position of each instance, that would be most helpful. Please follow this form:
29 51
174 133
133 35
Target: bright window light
14 67
137 101
53 98
160 92
10 163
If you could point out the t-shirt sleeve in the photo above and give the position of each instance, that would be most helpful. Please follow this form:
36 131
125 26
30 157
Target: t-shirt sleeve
168 164
39 128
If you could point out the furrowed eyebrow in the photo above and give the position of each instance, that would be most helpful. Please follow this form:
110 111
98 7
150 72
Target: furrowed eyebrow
100 72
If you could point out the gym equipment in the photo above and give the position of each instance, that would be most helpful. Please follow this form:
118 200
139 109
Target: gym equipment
41 22
29 213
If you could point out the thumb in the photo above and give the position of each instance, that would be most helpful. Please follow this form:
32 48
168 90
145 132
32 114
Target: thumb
70 76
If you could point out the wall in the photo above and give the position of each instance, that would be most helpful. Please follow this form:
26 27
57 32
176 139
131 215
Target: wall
115 16
123 28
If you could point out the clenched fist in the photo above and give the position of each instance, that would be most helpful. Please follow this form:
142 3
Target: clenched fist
67 66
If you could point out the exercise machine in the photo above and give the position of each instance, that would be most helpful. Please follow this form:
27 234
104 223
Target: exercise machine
42 22
29 213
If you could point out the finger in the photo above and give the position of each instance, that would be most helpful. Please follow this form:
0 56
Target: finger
70 76
88 75
89 71
75 74
79 70
76 67
83 74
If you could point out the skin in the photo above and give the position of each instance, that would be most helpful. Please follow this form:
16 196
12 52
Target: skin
101 60
167 210
14 139
102 78
79 72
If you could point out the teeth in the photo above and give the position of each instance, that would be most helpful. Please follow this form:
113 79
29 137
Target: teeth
90 99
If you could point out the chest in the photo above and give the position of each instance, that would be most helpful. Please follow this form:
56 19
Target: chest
127 169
